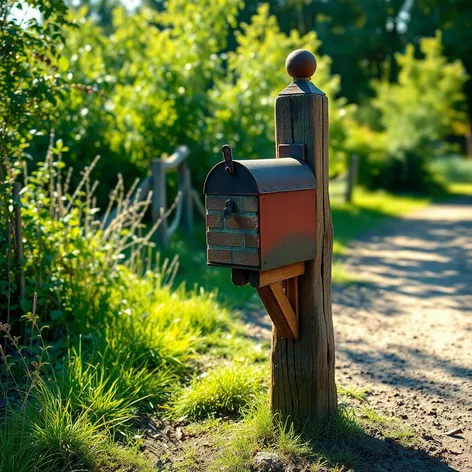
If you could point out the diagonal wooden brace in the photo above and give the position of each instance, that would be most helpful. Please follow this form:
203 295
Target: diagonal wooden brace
278 306
278 289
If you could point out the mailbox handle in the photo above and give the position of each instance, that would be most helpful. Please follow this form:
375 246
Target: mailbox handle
228 157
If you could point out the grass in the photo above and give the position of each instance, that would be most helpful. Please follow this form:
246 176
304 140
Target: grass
460 189
258 431
225 390
311 448
389 427
350 391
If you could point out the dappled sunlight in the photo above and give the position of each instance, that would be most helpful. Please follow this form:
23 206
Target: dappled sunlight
406 329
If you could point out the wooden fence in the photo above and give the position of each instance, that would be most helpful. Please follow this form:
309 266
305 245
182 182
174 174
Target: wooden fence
188 199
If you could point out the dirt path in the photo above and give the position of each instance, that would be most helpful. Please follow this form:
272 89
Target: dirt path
405 331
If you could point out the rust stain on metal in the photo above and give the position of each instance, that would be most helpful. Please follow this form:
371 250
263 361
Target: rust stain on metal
288 228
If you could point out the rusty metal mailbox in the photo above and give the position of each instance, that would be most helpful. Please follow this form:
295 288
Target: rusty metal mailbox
260 217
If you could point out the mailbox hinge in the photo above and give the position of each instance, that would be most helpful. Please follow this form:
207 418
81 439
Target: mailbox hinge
297 151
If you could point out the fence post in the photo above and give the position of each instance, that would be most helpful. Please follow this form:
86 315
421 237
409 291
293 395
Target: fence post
302 375
351 177
159 201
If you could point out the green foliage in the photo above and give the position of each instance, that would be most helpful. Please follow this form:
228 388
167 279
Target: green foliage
30 71
222 391
416 115
190 90
243 101
71 260
130 336
426 104
135 113
452 169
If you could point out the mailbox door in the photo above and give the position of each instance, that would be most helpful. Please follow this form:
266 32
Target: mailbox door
233 241
287 228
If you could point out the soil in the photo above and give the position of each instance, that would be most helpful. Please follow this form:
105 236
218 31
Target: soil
405 333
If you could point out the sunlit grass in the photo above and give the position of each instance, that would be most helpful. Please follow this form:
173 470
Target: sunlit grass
258 431
460 188
224 390
389 426
367 211
359 393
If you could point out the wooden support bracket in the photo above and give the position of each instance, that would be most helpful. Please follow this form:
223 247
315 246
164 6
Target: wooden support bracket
278 289
278 306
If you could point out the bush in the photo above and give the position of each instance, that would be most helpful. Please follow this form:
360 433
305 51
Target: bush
129 337
416 116
452 169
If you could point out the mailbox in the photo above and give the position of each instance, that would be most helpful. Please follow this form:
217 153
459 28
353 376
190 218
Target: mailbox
261 223
260 214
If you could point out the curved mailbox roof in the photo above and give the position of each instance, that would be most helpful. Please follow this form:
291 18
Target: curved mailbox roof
260 176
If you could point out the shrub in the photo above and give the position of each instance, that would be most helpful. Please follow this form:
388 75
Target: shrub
416 115
452 169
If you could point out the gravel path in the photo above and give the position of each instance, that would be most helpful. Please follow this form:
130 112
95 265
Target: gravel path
405 331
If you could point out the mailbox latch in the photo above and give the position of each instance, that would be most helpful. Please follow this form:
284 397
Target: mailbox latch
228 157
230 208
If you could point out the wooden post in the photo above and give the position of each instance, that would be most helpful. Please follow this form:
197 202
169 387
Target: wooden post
302 377
159 201
351 177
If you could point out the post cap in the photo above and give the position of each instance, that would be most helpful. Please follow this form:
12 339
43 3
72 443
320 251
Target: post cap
300 64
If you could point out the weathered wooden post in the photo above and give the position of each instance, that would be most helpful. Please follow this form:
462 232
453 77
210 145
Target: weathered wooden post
351 177
159 201
302 383
269 220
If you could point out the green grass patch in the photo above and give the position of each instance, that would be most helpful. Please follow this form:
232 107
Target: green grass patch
367 211
460 189
222 391
309 446
350 391
389 427
258 431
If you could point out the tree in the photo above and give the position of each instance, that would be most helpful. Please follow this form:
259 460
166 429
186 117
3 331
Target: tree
30 70
416 114
242 101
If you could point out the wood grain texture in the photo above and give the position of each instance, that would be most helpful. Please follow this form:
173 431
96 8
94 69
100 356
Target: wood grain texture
302 374
267 277
279 308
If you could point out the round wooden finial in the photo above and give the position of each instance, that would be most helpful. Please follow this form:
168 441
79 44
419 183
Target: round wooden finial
301 64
